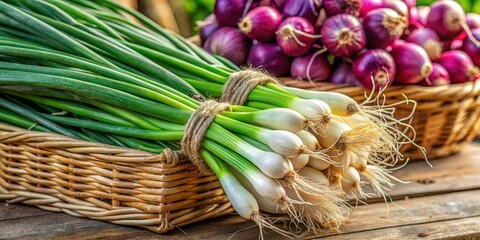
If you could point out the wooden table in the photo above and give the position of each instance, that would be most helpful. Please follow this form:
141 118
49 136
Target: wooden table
443 202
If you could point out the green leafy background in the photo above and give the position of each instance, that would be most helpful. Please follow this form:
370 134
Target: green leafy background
198 10
468 5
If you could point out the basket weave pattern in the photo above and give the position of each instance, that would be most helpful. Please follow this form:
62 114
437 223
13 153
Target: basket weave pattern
446 119
119 185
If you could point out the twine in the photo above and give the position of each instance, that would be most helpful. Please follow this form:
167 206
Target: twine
172 157
241 83
236 91
195 130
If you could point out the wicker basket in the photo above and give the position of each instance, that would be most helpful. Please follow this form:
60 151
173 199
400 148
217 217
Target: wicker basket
446 118
119 185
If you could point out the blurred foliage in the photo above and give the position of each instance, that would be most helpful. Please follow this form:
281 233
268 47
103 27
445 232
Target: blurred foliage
198 10
468 5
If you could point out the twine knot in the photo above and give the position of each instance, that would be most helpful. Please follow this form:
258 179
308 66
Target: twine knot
172 157
241 83
236 91
195 131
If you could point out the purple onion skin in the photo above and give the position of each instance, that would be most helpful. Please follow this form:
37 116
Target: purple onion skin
229 43
422 13
447 45
438 77
318 72
382 27
343 35
396 5
411 61
459 66
229 12
368 5
295 44
428 40
270 57
456 45
334 7
471 49
343 74
264 3
410 3
397 43
208 27
261 23
307 9
446 18
473 20
322 17
413 22
376 65
278 4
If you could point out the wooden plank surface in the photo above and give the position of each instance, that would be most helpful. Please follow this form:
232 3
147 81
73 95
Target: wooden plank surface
443 202
457 173
417 215
464 228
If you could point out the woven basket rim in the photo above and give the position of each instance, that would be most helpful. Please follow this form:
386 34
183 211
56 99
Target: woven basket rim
104 152
415 92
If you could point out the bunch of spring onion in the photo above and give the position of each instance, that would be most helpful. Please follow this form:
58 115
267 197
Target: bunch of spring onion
354 42
83 69
66 71
350 134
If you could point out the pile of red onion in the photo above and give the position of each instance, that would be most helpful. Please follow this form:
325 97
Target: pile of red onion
373 43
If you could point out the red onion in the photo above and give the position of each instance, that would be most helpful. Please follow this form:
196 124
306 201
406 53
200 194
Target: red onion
207 27
295 36
343 35
471 48
261 23
410 3
229 12
230 43
446 45
270 57
411 61
447 18
312 67
307 9
343 74
459 66
438 77
382 27
413 22
278 4
368 5
395 44
397 5
262 3
334 7
456 44
417 18
322 17
473 20
422 13
374 66
428 40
